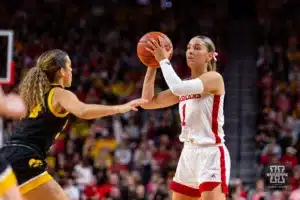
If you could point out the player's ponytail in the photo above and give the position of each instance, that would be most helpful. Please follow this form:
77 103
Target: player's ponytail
37 81
212 65
33 87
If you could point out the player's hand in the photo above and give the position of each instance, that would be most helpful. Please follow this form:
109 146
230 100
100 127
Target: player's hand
132 105
13 106
158 49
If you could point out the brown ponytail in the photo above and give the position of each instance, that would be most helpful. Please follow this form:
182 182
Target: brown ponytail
33 87
38 80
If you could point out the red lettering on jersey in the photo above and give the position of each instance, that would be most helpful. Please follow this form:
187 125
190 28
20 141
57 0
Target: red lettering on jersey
188 97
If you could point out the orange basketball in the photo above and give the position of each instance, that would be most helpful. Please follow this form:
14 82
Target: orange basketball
146 57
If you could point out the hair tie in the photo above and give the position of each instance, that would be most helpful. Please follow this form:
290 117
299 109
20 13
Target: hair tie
215 54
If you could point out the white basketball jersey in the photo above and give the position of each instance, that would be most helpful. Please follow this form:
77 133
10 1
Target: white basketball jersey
202 118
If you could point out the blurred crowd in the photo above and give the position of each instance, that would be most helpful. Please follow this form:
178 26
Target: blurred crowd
131 156
278 122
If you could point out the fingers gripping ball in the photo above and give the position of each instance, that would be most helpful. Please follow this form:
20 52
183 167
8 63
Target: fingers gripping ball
145 56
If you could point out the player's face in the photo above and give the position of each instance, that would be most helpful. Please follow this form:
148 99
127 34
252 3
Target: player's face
197 54
67 75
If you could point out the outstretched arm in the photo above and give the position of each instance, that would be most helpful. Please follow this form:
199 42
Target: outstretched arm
71 103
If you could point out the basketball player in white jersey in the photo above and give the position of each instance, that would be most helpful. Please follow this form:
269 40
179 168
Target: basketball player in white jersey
13 107
204 165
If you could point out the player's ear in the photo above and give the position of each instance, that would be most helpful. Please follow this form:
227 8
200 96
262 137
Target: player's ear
210 56
62 72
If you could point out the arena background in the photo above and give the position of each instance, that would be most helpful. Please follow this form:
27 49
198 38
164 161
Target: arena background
134 156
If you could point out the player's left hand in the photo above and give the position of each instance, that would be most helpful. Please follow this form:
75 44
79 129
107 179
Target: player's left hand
158 49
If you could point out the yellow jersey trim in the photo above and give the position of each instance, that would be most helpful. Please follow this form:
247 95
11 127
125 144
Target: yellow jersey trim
35 182
50 105
7 181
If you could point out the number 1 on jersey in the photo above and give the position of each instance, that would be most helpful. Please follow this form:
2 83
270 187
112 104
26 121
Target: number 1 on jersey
183 115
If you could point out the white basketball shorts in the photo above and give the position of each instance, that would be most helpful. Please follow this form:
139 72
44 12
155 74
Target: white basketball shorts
201 169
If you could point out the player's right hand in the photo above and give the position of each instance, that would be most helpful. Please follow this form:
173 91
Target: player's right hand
158 49
132 105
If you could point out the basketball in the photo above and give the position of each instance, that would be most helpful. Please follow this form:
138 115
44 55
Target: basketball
146 57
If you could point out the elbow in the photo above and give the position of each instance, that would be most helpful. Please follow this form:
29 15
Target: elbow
148 104
83 115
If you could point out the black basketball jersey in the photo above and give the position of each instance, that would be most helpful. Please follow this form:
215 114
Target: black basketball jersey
41 126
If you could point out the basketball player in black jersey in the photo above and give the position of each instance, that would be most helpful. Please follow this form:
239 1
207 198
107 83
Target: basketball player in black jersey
11 106
49 105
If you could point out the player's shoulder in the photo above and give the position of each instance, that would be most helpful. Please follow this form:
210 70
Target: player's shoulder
214 73
60 90
63 94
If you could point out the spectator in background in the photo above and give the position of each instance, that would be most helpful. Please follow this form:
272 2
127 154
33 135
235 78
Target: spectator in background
90 191
132 131
83 174
294 180
234 193
289 159
110 188
259 192
140 193
114 194
239 188
272 148
72 192
278 195
99 128
295 195
123 153
142 156
161 156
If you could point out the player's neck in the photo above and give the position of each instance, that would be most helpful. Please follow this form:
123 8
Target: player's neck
60 82
196 72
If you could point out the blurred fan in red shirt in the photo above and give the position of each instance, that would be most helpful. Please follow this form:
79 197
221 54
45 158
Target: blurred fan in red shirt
289 158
